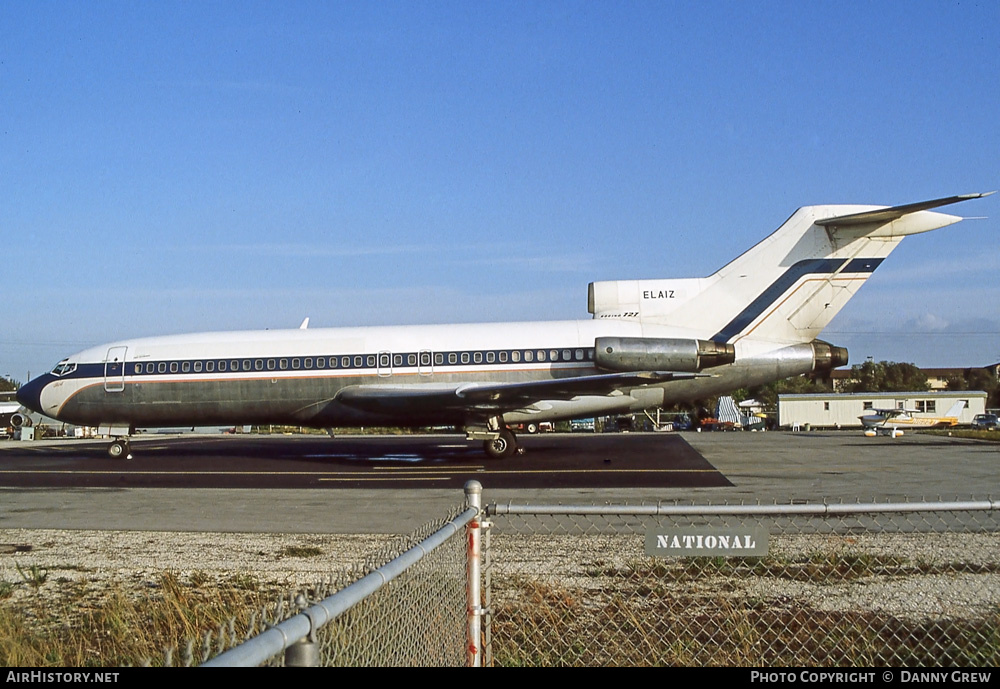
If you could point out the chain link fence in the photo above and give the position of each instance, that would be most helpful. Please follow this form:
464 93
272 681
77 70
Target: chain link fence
405 607
906 585
859 585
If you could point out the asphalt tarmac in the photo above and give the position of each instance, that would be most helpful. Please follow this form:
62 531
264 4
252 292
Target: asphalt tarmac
388 462
314 484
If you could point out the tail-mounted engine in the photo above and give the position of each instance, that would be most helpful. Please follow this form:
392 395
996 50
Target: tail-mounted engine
826 357
660 354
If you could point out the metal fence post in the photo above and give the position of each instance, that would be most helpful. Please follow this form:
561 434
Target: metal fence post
304 653
473 587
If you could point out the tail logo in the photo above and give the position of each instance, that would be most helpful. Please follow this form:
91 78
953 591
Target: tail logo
788 279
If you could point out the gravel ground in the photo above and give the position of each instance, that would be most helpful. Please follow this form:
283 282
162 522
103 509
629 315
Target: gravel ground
98 557
918 577
105 555
969 586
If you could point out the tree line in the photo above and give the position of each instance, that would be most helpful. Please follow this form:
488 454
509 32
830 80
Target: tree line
870 376
880 376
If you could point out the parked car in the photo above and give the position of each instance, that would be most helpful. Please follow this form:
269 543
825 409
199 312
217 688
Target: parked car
985 422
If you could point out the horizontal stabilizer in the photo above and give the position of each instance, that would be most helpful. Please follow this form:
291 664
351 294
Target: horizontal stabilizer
885 215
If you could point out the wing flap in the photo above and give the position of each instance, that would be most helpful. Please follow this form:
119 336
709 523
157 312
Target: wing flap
493 398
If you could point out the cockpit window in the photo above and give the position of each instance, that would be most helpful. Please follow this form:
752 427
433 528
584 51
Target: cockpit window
63 368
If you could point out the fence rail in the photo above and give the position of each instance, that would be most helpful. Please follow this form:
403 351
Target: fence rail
674 509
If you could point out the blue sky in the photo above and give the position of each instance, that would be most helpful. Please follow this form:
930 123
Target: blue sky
170 167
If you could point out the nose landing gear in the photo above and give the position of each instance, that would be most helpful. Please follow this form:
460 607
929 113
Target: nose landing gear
120 449
119 433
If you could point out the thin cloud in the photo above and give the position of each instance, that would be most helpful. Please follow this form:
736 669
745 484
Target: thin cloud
938 269
306 250
541 264
466 255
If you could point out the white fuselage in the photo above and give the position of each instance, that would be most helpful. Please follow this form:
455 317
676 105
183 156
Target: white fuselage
294 376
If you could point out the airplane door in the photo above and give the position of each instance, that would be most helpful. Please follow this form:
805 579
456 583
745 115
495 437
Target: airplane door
384 364
114 369
426 366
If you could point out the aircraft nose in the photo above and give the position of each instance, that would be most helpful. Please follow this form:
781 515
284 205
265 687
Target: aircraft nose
30 394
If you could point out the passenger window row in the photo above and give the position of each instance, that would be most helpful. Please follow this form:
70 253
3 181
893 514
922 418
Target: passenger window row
382 360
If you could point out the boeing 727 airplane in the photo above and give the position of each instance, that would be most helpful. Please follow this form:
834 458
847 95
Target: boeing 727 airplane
649 343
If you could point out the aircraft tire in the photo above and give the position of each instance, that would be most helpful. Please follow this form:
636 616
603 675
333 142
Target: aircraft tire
502 446
119 449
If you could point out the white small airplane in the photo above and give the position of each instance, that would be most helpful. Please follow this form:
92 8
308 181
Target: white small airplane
889 421
649 343
8 409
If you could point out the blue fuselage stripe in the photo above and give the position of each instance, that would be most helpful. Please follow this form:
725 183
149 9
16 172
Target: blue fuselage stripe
334 364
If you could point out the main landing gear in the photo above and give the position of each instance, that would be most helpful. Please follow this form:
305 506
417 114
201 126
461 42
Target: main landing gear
503 446
499 442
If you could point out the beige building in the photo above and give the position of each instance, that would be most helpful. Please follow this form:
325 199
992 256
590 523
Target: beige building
842 410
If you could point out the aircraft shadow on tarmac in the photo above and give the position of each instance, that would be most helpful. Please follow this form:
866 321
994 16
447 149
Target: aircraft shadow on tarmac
555 461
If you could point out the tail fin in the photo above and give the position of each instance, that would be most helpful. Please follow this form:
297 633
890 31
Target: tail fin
789 286
956 410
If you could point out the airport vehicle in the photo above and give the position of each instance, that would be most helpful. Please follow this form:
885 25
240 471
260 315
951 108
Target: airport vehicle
890 421
985 422
649 343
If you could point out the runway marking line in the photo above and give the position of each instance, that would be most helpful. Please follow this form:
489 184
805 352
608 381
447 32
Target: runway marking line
410 468
386 478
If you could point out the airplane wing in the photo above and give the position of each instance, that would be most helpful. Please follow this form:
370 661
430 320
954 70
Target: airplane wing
493 398
890 413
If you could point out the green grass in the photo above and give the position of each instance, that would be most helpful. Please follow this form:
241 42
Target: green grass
72 626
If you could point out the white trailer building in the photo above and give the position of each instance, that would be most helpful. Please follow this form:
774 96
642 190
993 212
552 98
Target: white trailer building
842 410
